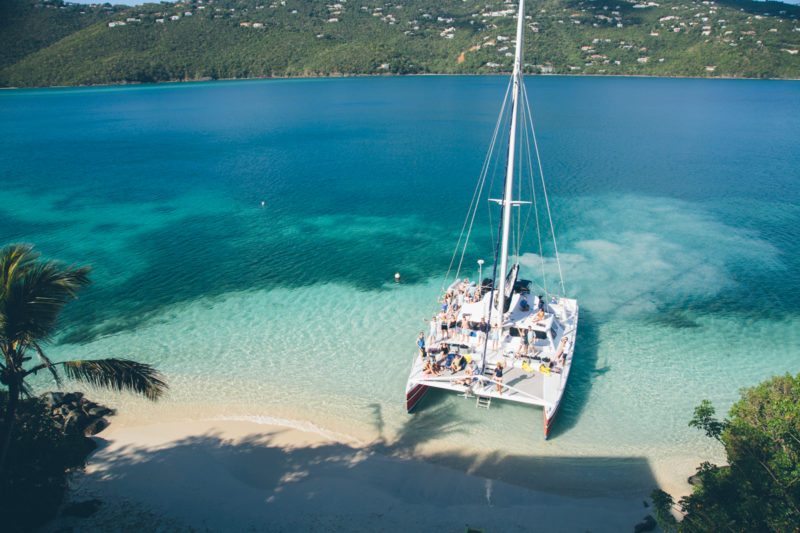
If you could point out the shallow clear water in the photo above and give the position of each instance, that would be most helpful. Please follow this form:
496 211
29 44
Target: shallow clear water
676 204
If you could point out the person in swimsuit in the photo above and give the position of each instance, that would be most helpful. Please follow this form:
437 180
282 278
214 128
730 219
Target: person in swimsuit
561 350
498 376
431 368
457 363
465 328
469 374
496 333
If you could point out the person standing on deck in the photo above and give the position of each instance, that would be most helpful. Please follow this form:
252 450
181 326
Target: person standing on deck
498 377
465 328
497 330
421 344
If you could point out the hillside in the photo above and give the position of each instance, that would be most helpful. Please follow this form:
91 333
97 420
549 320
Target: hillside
51 43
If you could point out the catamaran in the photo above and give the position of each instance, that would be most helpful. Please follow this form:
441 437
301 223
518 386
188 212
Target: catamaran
495 339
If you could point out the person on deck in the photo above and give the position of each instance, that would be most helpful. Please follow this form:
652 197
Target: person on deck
562 346
469 374
539 316
431 368
465 328
458 363
498 377
421 344
496 333
524 347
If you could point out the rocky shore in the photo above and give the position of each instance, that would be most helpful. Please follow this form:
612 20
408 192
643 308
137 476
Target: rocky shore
74 414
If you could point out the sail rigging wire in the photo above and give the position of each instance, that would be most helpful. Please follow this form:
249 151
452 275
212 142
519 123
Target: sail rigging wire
518 230
544 190
473 206
531 177
483 181
494 175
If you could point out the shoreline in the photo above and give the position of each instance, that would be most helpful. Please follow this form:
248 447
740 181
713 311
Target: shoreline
344 76
235 474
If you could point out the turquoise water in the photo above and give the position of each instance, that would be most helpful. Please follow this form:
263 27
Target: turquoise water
676 205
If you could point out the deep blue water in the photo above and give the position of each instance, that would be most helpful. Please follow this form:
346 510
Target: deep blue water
384 147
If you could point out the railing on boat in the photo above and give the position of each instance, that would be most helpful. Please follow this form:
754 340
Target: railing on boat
490 380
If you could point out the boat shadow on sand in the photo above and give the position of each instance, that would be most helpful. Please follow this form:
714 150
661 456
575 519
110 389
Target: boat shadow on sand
257 480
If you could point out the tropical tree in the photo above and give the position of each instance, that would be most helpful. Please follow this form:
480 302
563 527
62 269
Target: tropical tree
33 291
759 489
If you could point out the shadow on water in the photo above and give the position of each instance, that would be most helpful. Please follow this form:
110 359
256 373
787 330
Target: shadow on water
222 483
584 372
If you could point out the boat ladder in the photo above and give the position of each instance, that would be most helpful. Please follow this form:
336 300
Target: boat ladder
484 402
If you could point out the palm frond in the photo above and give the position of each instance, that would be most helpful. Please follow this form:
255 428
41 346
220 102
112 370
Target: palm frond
25 390
118 374
33 293
14 257
47 362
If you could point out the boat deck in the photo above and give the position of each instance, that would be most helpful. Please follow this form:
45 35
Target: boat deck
528 376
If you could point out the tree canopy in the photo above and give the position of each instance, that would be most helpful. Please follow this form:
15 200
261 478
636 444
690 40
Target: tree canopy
759 488
48 42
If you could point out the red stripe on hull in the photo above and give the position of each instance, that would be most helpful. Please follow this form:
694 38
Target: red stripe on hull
414 396
548 422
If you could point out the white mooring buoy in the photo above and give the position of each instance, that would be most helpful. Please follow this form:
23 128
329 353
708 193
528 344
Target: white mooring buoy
263 203
397 276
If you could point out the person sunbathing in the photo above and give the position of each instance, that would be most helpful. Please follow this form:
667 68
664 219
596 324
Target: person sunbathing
431 368
539 315
469 374
458 363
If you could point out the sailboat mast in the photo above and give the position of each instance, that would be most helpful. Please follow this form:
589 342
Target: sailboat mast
512 142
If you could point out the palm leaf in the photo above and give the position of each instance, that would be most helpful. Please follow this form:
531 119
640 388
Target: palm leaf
47 363
33 293
118 374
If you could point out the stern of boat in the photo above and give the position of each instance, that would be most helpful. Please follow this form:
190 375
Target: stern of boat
414 393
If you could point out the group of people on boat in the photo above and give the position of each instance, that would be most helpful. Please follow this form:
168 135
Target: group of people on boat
451 326
454 362
446 324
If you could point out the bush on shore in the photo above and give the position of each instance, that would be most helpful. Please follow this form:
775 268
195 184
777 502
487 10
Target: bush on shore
759 489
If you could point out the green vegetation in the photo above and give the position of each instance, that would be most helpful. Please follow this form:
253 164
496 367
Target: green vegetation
34 483
759 490
46 42
32 451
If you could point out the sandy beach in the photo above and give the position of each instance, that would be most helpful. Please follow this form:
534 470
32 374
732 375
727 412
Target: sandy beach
232 475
